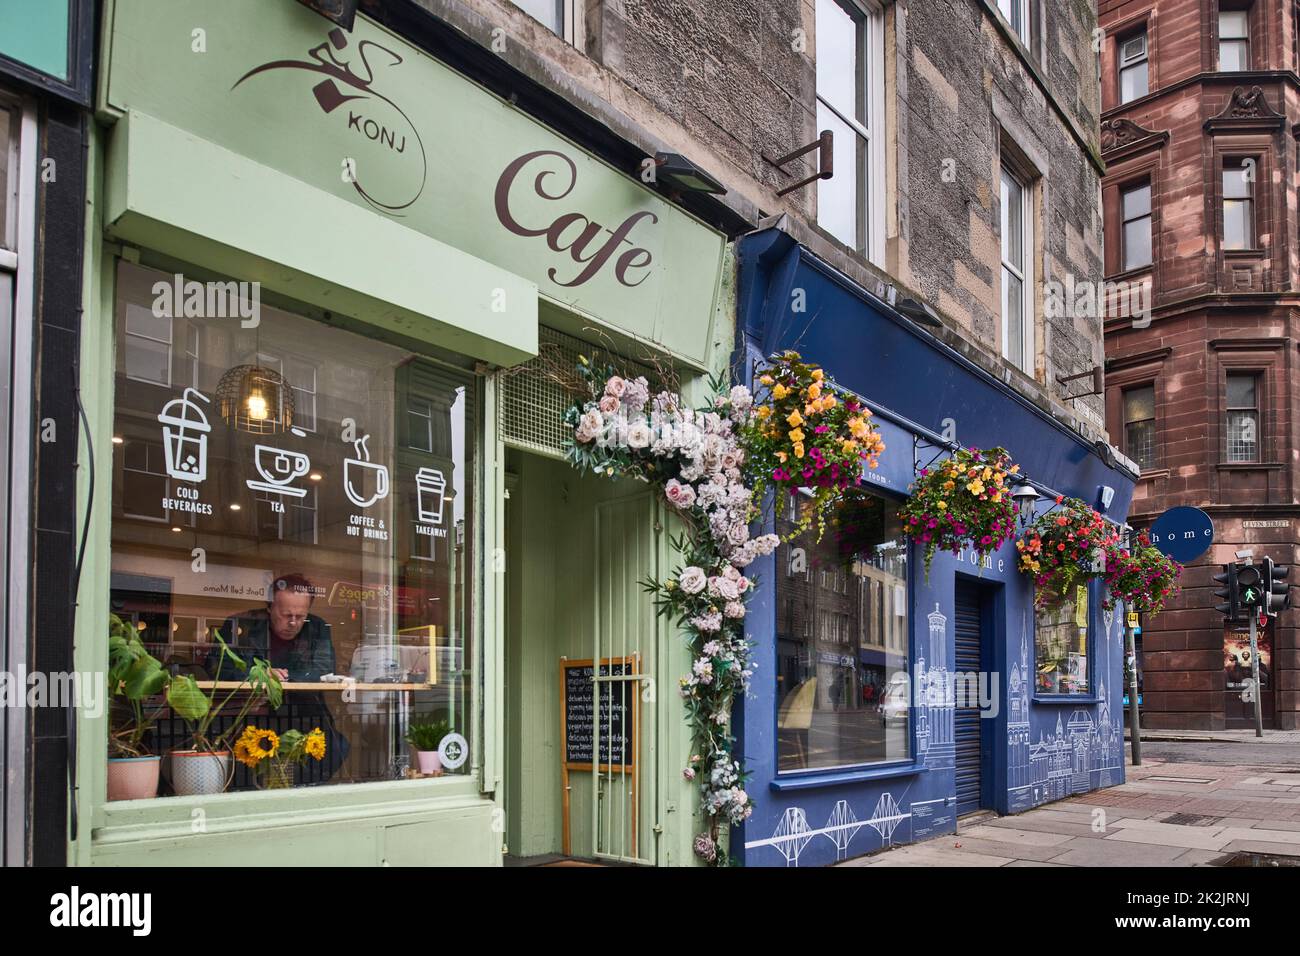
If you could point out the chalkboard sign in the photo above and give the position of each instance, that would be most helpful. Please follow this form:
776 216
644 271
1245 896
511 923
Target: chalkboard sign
618 702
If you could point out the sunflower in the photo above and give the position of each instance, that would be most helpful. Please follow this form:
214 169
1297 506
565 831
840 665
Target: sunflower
315 746
257 745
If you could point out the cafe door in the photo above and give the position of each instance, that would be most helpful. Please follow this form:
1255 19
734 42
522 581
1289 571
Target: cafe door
582 652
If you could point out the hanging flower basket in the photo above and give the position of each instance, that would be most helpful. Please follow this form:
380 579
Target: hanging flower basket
1142 578
805 436
962 502
1062 548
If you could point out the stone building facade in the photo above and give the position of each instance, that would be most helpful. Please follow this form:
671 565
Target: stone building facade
732 83
1199 124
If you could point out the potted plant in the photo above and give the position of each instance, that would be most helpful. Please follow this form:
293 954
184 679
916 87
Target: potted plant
206 768
1064 548
425 738
962 502
134 676
1143 578
804 435
274 757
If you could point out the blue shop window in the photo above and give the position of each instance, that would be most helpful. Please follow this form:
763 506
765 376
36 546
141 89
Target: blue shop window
842 681
1061 646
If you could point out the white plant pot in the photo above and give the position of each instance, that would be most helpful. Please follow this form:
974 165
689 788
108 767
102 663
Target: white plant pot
196 773
429 761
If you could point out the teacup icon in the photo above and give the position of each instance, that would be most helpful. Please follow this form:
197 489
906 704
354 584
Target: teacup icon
358 472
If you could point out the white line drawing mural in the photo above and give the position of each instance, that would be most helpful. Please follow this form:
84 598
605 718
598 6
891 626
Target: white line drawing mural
936 700
278 467
354 470
844 826
793 834
429 487
185 437
886 818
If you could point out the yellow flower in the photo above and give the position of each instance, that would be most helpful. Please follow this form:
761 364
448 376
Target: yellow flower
781 457
315 745
764 411
798 449
949 485
814 390
942 505
849 444
795 419
1014 469
988 473
796 435
779 392
828 402
976 487
767 379
256 745
817 374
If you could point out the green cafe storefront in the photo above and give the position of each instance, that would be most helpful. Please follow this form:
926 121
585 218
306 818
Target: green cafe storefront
326 277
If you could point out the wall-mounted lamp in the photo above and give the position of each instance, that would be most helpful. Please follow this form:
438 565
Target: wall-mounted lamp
679 171
342 12
1025 496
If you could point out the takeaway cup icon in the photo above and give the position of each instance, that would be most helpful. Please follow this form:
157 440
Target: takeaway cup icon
429 486
185 437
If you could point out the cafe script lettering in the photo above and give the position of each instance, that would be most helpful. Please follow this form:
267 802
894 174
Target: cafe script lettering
590 244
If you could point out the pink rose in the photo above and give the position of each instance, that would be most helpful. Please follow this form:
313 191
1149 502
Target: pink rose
608 404
615 387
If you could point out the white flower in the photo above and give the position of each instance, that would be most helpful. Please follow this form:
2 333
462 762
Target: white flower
721 717
724 588
741 398
734 610
637 393
693 580
638 435
707 623
738 533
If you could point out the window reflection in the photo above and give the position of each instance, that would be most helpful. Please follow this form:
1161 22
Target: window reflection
842 640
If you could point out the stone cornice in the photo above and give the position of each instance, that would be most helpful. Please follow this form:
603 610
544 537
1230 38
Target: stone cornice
1247 111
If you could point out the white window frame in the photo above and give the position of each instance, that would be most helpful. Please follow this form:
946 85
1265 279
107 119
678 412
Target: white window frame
1143 60
1024 8
1124 221
128 335
276 364
871 182
1023 271
1220 39
572 25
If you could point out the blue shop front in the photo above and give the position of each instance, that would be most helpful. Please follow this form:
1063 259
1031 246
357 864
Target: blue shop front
887 703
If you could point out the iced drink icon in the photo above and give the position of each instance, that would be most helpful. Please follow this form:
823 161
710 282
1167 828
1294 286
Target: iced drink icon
185 437
429 488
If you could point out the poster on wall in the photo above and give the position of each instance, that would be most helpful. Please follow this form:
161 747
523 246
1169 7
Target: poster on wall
1237 664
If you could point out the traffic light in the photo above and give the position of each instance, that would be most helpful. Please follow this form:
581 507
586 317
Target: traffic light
1276 590
1231 606
1250 586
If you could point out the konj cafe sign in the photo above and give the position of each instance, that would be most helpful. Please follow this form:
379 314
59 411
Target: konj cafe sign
367 117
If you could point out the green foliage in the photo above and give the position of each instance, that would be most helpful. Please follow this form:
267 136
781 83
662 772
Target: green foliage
427 737
134 675
199 708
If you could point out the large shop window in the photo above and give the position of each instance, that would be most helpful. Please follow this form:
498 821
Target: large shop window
306 494
842 676
1061 646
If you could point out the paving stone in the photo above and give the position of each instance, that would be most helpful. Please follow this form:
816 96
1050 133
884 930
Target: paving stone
1011 851
1117 853
1172 837
1279 825
1262 846
1261 833
1197 857
1032 863
1044 825
1013 835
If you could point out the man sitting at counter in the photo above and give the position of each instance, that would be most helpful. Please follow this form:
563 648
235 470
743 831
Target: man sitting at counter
298 646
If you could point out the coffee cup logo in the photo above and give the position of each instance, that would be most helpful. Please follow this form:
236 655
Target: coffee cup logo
364 481
347 93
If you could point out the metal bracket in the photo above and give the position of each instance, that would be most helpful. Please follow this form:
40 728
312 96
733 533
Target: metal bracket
1098 375
824 144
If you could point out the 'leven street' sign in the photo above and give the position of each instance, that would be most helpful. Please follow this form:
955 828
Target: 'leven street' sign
1183 533
367 117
